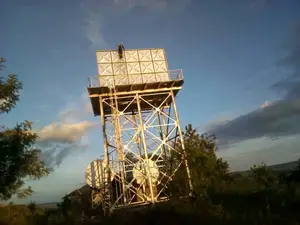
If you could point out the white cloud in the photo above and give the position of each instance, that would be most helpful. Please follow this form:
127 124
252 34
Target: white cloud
266 104
221 119
64 132
97 12
257 4
68 134
170 5
94 29
93 17
76 109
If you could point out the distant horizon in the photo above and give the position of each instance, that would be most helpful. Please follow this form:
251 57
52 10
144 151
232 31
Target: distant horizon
55 202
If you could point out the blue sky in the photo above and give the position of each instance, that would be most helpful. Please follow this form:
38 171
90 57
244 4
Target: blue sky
230 52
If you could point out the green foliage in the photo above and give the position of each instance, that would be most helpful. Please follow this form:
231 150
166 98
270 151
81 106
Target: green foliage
19 160
9 90
208 172
263 178
22 215
259 196
18 157
32 208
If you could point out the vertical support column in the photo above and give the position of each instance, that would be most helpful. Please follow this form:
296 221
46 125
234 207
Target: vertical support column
182 143
120 150
162 135
166 126
142 125
137 139
107 184
138 146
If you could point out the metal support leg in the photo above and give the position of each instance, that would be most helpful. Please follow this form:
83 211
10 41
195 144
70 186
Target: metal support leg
182 144
142 125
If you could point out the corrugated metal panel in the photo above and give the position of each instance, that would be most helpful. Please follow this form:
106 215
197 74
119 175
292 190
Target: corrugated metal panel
135 79
144 55
131 56
160 66
149 78
105 69
162 77
115 57
137 66
158 54
121 80
103 57
147 67
106 81
119 69
133 68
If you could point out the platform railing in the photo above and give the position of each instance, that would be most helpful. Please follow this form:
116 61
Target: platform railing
117 80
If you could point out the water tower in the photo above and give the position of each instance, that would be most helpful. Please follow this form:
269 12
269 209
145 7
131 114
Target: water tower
134 95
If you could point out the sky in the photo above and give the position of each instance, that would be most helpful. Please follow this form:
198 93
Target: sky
241 63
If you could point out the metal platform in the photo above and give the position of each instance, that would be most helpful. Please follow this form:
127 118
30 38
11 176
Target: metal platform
156 92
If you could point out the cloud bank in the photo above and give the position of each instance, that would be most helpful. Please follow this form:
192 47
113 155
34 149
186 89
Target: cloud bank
278 120
64 132
282 118
67 135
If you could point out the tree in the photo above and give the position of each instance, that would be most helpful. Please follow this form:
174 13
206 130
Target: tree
294 175
10 204
9 90
32 207
264 179
65 208
18 157
208 172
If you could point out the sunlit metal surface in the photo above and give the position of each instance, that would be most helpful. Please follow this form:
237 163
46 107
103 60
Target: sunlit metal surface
135 98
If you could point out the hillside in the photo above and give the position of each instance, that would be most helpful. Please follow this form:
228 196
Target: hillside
284 166
277 167
49 205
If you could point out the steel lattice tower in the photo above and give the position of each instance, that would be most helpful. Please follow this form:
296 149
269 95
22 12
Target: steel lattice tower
134 95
